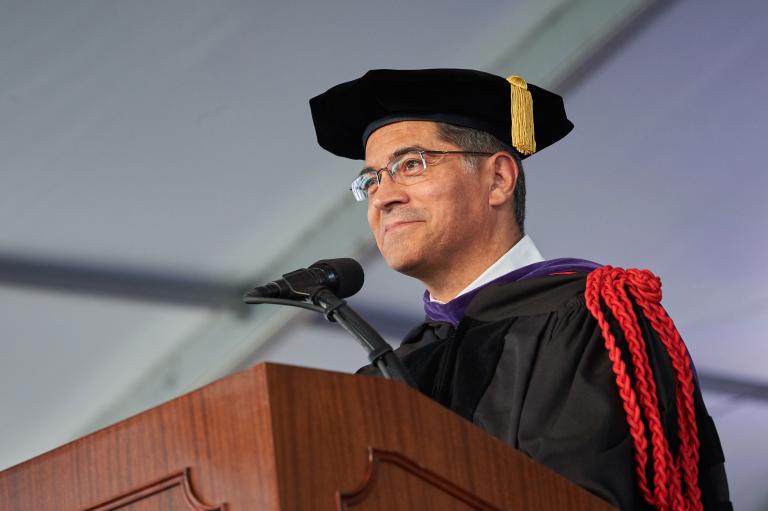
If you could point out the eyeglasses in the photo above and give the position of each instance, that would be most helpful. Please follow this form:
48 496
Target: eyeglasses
406 169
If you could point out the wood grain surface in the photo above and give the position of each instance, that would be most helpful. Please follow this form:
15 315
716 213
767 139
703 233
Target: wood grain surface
173 492
327 421
277 437
389 472
221 432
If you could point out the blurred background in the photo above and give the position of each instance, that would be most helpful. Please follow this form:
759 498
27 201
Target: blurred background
158 158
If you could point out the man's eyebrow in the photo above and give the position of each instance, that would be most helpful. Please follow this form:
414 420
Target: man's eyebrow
405 150
397 153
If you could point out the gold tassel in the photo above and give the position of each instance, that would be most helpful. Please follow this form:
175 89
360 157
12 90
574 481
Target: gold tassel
522 116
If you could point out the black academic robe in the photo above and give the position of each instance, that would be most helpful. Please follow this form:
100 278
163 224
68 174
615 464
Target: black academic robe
528 364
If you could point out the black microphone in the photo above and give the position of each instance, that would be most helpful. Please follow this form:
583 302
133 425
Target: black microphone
322 288
343 276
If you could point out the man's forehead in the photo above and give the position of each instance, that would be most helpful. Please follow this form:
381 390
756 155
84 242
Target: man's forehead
389 140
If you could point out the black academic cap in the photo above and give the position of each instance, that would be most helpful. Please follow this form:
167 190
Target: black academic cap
522 115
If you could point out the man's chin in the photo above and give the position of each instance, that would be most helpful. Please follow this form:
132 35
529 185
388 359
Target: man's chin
411 266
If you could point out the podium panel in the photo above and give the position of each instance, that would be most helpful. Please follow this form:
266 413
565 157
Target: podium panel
276 437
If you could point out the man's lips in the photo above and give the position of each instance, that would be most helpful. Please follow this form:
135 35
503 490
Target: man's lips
395 225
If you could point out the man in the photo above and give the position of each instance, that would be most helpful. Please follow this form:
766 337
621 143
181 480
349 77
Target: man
575 364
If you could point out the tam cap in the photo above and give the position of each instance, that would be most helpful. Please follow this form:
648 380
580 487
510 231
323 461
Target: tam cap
519 114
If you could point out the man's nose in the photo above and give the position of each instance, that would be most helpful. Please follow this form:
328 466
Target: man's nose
388 193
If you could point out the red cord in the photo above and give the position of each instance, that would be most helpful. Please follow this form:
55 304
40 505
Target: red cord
611 285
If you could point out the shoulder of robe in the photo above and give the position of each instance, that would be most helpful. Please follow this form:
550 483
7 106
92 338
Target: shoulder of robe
540 295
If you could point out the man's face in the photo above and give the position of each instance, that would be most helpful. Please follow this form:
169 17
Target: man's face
435 223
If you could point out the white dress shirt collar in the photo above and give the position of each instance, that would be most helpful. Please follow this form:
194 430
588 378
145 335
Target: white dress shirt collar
523 253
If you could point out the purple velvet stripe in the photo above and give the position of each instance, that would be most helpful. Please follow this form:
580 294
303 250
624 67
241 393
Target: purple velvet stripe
453 311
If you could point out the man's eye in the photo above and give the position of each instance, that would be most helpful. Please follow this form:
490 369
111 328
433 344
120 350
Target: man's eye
367 181
411 166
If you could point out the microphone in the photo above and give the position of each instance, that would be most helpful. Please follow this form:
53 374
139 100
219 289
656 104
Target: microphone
322 288
343 276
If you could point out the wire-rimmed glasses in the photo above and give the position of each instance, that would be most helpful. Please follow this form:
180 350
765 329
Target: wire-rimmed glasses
406 169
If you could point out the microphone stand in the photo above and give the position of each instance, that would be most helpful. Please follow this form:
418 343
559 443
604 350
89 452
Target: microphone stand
336 309
379 351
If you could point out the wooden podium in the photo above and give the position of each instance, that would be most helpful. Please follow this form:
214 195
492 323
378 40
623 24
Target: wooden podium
277 437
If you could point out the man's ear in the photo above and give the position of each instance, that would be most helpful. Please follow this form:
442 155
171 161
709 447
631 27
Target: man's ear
505 171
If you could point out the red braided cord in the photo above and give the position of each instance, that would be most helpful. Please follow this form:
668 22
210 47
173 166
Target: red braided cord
645 288
616 299
634 418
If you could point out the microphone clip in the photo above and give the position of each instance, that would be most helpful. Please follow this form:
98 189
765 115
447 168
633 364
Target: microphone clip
303 283
329 306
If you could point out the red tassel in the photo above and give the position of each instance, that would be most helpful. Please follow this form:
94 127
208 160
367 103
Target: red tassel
669 475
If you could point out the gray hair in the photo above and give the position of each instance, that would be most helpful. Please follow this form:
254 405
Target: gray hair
469 139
